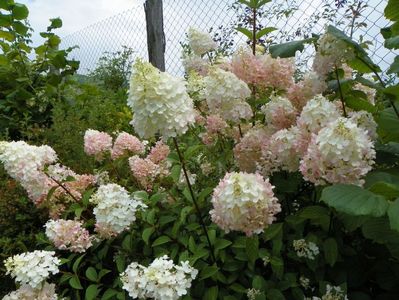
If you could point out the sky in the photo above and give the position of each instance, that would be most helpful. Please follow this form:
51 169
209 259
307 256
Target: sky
75 14
105 25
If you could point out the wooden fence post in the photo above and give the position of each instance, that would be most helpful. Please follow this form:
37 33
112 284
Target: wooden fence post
155 33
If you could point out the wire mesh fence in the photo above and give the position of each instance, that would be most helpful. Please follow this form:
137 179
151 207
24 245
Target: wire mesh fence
294 19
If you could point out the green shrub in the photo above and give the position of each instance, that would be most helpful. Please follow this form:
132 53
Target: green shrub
20 221
86 106
30 77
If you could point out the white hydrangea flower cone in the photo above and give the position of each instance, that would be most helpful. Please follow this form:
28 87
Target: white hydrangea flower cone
32 268
159 102
115 209
225 94
161 280
200 42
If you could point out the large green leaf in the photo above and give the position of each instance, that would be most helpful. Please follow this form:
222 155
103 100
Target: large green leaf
362 62
20 11
245 31
7 35
330 248
264 31
388 190
393 214
317 215
379 230
91 292
208 271
388 124
392 10
394 68
161 240
252 249
354 200
288 49
392 43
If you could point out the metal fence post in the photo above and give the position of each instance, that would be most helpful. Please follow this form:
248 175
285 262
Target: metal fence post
155 33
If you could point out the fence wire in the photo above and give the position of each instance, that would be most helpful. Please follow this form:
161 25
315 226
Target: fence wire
294 19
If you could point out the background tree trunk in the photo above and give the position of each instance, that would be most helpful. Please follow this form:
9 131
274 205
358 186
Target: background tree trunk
155 33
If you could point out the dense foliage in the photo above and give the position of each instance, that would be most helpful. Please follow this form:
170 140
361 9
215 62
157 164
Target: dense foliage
250 183
36 73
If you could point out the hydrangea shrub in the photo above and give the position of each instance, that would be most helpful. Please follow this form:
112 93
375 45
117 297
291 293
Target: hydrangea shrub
252 183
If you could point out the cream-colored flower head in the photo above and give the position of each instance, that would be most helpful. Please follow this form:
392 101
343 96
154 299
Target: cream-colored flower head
159 102
244 202
200 42
225 94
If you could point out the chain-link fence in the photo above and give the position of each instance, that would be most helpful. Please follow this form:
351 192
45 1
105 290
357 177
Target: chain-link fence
295 19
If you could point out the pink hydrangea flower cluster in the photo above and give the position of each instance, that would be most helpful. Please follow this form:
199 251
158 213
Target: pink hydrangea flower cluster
214 126
144 170
248 151
159 152
332 52
263 70
68 235
126 144
26 164
341 152
97 143
301 92
195 63
70 191
280 153
226 95
244 202
26 292
147 170
279 113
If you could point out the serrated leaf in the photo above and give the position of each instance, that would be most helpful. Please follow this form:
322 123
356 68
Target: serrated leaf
288 49
91 292
74 282
317 214
388 123
354 200
221 244
109 294
272 231
208 271
393 214
245 31
392 10
7 35
259 283
175 173
392 43
102 273
394 68
362 62
264 31
274 294
20 11
77 263
91 274
211 293
252 249
147 234
55 23
120 263
330 251
161 240
388 190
